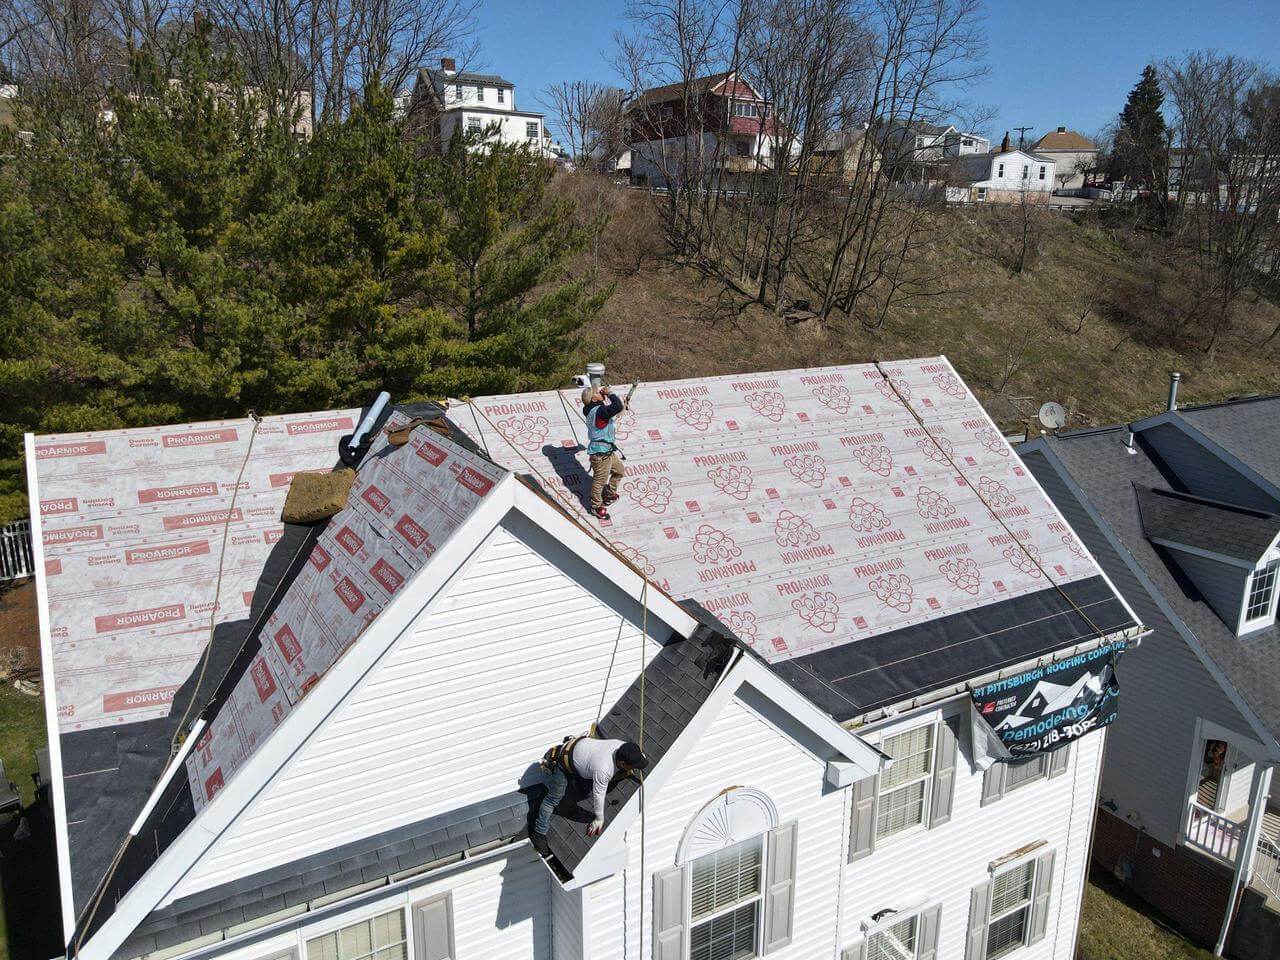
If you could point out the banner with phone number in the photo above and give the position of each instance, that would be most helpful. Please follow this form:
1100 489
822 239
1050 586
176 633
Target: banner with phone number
1041 709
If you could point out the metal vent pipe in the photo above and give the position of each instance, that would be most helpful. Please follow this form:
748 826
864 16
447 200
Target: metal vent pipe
1174 379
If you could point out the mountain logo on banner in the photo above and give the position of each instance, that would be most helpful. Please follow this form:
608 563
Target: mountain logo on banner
1047 698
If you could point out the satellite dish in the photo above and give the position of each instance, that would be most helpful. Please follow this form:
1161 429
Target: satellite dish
1052 415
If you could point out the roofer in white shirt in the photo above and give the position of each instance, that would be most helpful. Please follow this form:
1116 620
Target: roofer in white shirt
586 758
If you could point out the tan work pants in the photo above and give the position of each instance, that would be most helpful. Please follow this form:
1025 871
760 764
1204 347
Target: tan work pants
606 471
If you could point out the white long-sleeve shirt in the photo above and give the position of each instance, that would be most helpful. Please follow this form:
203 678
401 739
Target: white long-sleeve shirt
593 760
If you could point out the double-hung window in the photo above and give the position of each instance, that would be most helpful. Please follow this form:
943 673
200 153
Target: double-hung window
1262 591
896 941
480 94
1009 924
502 95
531 130
457 91
1042 173
999 171
473 124
725 902
378 938
905 786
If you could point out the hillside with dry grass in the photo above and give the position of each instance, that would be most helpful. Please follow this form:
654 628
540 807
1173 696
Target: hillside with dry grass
1096 321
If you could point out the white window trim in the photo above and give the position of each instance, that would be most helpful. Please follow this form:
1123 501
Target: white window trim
342 921
872 927
1004 866
1268 618
758 899
926 808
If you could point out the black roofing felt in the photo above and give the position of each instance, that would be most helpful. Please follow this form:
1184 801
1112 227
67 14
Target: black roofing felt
109 773
849 680
1221 528
677 682
1099 464
370 859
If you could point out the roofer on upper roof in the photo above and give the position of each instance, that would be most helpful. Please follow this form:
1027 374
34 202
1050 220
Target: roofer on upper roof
589 759
600 407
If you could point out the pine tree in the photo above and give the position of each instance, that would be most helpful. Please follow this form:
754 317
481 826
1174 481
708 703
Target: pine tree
1140 152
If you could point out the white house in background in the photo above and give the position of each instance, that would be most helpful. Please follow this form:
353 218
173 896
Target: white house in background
1074 155
932 143
361 734
1001 176
446 101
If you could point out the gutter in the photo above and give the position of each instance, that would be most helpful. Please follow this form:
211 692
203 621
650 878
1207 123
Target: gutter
1131 636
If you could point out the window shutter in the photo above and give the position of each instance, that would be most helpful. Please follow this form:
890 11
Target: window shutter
944 775
856 952
290 954
928 938
979 911
1060 760
670 891
780 890
993 783
433 928
1044 890
862 824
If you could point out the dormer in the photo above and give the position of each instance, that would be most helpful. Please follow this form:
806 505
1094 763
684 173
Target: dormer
1230 553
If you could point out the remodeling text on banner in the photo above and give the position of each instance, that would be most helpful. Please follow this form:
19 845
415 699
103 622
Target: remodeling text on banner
1044 708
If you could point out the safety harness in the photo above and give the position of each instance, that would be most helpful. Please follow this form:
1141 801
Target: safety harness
561 755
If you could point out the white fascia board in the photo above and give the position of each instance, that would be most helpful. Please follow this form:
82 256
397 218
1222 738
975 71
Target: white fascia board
537 509
1047 499
1175 418
1157 597
863 760
1207 554
156 887
56 789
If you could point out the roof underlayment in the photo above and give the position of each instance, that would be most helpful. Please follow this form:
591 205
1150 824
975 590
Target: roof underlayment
807 509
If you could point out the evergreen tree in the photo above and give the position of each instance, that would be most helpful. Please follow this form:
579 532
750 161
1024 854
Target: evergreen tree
1140 152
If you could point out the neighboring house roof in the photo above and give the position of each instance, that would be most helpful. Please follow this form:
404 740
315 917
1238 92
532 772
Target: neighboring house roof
714 83
1246 428
1062 140
485 79
1220 528
1094 474
812 513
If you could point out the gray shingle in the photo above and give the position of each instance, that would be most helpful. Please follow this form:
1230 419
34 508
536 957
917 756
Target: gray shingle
1217 527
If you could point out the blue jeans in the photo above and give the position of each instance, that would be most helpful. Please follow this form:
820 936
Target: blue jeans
557 784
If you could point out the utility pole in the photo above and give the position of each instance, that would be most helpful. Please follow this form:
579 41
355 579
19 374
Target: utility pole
1021 133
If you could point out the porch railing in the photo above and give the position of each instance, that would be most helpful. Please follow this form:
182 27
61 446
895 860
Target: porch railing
1214 834
1266 865
15 550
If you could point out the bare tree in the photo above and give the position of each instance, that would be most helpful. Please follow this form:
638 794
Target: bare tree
1227 123
587 115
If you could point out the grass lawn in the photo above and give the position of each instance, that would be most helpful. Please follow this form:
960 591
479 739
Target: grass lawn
1114 927
21 734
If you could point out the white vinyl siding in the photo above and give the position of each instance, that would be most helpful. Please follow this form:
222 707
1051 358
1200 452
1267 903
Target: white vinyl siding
904 789
509 630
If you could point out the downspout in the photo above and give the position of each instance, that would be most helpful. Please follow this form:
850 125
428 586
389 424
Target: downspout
1258 792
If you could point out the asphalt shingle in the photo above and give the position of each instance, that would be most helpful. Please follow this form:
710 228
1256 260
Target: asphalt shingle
1217 527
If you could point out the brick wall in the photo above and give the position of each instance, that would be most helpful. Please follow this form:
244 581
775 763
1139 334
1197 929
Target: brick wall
1189 889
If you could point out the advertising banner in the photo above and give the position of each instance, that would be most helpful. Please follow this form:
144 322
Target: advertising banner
1044 708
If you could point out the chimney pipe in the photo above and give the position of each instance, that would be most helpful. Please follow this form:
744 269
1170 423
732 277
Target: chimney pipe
1062 129
448 65
1128 443
1174 379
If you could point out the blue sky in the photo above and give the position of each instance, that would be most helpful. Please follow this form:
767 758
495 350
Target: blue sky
1050 64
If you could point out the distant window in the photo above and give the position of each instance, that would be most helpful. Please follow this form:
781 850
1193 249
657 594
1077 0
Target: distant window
473 124
904 788
480 94
1026 171
982 193
378 938
457 91
666 112
1000 171
725 901
897 942
742 148
531 129
748 110
1262 590
1010 920
1021 772
502 95
1042 173
966 142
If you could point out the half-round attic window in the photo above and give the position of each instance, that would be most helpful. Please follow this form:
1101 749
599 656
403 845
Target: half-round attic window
737 814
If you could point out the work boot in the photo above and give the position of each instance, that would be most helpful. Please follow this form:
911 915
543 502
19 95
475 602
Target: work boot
539 841
601 513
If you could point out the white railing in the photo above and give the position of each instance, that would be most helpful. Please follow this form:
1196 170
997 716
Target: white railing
15 550
1266 865
1213 833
